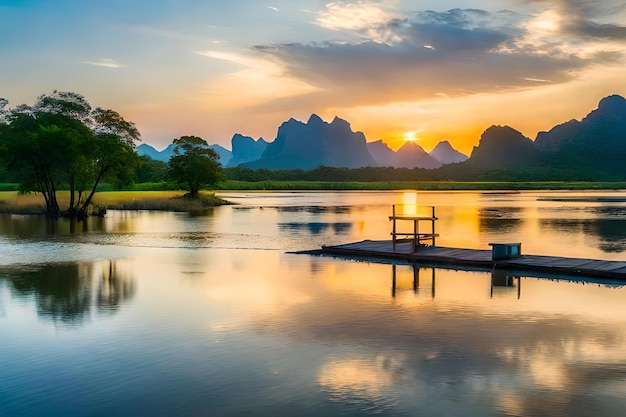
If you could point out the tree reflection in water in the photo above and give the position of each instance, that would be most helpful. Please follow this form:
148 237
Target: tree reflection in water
67 293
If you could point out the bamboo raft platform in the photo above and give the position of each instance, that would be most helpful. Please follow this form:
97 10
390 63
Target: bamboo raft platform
409 247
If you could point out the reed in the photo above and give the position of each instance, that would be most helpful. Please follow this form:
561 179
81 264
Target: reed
15 203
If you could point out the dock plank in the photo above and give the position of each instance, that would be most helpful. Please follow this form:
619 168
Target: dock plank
479 258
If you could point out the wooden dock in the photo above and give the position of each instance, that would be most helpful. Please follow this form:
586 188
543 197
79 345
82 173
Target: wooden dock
477 258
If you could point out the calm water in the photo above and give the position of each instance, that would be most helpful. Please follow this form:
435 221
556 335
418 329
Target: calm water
164 314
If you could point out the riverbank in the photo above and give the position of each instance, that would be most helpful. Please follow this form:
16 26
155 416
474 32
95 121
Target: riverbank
14 203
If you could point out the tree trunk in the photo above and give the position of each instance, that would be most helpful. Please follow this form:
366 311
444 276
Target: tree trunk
83 211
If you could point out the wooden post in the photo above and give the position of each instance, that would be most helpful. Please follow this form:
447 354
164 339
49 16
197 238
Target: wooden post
433 287
393 280
433 222
393 226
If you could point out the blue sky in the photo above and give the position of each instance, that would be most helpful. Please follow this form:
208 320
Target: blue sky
434 70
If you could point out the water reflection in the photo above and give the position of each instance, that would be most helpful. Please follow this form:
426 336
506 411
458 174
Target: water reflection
611 232
364 383
468 344
314 209
67 293
27 226
219 329
502 281
316 228
500 219
398 282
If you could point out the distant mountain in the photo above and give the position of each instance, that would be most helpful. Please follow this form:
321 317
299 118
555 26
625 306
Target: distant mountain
382 154
552 140
412 155
502 147
595 147
164 155
224 154
313 144
246 149
446 154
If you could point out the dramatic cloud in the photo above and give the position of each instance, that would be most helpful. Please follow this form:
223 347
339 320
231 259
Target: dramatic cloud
452 53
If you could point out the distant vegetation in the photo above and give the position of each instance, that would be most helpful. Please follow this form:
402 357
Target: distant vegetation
233 185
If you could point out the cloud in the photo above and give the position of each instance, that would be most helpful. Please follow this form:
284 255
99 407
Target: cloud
597 30
105 62
259 80
273 8
587 18
366 18
455 53
537 80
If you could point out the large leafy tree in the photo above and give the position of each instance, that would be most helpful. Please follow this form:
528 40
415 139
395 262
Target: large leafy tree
194 164
61 140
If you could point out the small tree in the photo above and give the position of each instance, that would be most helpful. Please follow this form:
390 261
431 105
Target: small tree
194 164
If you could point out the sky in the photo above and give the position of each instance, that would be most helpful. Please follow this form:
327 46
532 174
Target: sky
428 70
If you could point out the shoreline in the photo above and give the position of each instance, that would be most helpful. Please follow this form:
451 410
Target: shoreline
12 203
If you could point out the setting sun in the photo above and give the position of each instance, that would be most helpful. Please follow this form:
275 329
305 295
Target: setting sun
410 137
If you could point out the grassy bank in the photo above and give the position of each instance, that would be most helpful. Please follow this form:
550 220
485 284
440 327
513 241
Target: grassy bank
14 203
156 200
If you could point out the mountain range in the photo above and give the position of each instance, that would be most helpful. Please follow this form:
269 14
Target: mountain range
165 154
318 143
592 149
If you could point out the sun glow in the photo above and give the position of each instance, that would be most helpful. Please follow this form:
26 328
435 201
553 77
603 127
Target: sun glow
410 137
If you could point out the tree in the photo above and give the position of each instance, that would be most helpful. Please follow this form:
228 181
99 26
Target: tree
150 170
61 141
194 164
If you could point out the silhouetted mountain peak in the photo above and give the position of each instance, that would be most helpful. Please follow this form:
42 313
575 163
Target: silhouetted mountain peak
341 123
246 149
502 147
315 120
606 123
446 154
316 143
382 154
500 133
613 104
412 155
412 146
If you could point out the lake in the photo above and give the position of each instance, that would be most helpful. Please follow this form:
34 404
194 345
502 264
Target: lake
171 314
